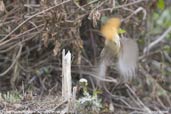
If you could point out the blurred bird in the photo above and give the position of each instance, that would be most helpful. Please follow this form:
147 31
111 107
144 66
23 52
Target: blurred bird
122 50
111 48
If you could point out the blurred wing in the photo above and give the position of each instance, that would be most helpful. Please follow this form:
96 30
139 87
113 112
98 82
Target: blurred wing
127 59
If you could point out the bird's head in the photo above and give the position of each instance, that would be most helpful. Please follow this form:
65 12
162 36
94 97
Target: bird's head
110 32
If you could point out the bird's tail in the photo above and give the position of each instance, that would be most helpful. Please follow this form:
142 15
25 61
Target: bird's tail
127 59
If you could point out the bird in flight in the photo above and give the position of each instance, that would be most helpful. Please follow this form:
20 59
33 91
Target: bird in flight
124 50
121 51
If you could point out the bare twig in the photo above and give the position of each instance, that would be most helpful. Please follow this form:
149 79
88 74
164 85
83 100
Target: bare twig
13 63
137 11
41 12
120 6
159 39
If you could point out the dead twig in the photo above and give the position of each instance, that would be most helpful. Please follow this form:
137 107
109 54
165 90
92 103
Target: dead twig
41 12
13 63
159 39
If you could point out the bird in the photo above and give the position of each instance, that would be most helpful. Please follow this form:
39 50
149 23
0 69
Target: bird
119 50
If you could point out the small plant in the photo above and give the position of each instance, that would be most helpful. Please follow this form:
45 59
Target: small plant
11 97
89 104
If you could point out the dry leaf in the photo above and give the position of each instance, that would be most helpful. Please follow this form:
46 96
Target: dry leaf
45 39
2 6
57 48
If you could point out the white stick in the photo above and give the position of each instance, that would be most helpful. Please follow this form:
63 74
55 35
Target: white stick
66 75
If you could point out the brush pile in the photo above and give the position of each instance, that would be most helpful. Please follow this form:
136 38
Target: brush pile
34 32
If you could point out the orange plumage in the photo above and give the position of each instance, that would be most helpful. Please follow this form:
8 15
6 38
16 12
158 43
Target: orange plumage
110 29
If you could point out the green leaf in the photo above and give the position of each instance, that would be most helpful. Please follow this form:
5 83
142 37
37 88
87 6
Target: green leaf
141 42
161 4
121 31
156 16
104 19
167 48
